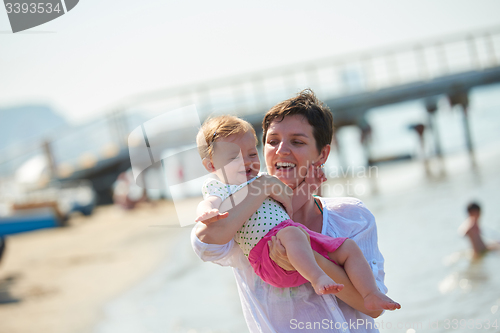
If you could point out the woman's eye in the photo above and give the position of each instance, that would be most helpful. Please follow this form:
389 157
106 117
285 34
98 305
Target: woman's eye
253 155
272 142
298 142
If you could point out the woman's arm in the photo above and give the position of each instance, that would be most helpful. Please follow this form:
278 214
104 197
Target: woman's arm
349 294
349 217
228 254
357 222
246 202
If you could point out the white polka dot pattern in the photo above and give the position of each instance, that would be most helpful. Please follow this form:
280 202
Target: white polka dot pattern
269 214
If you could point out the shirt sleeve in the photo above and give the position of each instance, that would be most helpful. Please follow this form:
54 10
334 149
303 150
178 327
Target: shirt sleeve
213 187
228 254
350 218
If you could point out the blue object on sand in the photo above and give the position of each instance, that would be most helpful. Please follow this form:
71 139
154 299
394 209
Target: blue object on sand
28 220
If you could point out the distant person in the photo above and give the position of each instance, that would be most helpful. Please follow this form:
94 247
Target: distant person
126 193
470 228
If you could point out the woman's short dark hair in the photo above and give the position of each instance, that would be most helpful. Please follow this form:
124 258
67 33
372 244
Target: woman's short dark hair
306 104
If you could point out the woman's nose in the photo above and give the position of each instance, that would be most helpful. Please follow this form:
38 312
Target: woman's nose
283 149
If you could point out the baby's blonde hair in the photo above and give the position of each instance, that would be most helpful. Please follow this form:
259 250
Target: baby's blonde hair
220 127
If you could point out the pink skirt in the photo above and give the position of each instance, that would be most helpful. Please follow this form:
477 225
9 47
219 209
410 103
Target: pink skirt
276 276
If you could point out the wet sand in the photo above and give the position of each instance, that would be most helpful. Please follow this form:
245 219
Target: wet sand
58 280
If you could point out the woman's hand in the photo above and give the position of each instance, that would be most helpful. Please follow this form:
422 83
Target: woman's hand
304 192
315 177
277 252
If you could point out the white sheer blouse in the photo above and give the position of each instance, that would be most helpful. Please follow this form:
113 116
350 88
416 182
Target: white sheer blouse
300 309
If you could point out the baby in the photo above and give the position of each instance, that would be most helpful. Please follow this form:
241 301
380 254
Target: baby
227 146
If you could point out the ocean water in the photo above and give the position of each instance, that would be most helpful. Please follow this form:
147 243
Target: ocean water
429 268
428 265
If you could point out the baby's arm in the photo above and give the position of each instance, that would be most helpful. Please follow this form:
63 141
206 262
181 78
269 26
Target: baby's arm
208 210
258 191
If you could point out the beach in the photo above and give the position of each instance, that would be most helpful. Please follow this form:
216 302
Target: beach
58 280
135 272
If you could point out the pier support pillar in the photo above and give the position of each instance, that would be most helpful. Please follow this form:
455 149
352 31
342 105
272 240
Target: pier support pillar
461 97
468 136
366 138
431 107
340 154
420 129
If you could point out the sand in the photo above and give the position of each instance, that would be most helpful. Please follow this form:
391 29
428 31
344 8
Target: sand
58 280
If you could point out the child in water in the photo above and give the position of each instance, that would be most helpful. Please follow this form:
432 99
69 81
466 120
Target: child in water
227 146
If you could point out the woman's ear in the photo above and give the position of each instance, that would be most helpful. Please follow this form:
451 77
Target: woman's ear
207 163
323 155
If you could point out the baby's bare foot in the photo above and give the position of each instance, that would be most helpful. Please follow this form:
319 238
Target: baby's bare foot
379 301
325 285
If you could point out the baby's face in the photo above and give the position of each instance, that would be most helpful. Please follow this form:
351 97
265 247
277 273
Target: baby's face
235 158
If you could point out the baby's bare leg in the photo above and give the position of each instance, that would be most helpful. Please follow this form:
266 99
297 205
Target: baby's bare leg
350 256
300 255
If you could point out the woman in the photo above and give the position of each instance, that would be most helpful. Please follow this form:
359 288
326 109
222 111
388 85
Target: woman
297 133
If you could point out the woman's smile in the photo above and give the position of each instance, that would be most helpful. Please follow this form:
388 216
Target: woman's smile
290 148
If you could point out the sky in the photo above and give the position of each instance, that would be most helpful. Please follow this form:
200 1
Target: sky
86 62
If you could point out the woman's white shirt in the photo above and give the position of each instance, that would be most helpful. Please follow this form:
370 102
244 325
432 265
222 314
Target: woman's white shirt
300 309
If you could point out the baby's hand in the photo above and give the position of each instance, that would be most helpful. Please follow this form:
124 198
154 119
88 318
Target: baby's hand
211 216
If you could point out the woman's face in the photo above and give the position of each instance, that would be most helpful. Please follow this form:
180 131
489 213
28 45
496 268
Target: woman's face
290 148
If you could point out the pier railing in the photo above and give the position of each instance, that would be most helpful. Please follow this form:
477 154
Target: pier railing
335 76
